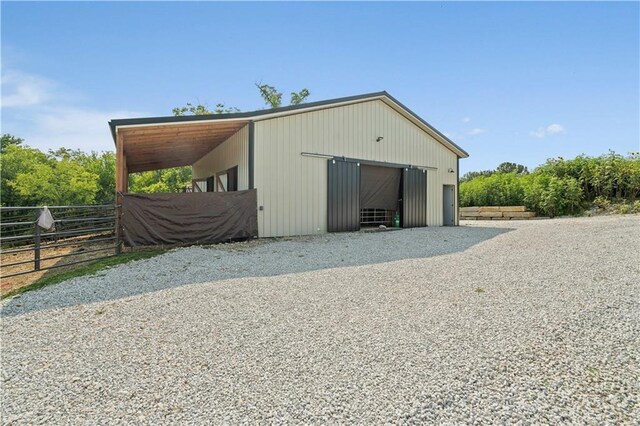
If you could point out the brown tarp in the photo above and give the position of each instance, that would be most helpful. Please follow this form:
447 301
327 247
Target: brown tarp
379 187
197 217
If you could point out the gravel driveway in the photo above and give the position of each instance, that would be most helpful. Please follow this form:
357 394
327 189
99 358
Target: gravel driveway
493 322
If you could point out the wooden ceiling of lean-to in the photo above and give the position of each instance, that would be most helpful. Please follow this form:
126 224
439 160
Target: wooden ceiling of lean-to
161 147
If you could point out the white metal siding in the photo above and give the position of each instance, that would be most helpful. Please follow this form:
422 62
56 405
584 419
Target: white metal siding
293 188
232 152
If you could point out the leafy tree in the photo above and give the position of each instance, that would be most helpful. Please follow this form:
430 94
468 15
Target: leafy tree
507 167
167 180
300 97
472 175
8 140
18 159
273 98
102 165
64 182
203 109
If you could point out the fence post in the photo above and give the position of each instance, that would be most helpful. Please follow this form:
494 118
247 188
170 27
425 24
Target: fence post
36 249
118 226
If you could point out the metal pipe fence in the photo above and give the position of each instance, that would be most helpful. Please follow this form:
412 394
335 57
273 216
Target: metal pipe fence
79 234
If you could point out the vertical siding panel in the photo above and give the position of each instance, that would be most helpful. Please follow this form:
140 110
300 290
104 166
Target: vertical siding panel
273 172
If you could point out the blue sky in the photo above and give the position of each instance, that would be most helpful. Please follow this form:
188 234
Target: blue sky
515 82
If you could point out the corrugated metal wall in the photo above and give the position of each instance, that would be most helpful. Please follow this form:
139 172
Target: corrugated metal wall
232 152
343 202
293 188
414 198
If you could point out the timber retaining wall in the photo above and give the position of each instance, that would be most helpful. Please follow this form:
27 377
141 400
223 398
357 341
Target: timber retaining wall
496 213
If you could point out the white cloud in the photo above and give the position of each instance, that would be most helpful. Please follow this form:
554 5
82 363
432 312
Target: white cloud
466 119
555 128
540 133
73 127
53 118
21 90
551 129
476 131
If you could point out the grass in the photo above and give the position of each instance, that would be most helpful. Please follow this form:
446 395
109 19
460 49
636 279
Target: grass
84 270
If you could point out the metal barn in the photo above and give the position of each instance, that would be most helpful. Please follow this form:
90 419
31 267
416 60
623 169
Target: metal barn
329 166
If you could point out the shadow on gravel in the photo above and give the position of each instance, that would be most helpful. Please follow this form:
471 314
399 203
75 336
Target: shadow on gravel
257 258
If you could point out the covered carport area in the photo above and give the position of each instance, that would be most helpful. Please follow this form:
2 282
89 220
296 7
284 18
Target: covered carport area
164 142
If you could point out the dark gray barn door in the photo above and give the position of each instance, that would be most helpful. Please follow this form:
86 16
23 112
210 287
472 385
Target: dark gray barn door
343 190
414 198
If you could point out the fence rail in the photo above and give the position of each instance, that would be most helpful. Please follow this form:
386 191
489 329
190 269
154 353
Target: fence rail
79 234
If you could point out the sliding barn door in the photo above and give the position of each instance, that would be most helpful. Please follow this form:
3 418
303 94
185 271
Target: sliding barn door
414 198
343 191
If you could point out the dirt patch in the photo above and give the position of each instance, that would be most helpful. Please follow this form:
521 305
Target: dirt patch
82 249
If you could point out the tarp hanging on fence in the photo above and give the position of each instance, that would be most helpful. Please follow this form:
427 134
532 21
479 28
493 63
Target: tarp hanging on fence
195 217
379 187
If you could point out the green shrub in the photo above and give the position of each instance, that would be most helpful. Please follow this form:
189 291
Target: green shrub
499 189
552 196
602 202
559 186
623 208
610 176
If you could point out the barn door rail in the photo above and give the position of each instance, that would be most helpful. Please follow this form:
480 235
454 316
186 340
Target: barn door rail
366 162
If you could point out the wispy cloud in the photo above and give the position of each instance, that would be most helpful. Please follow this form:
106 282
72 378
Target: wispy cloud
54 118
21 90
555 128
551 129
74 127
476 131
463 134
466 119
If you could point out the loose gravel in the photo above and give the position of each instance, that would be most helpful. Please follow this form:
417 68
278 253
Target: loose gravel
529 322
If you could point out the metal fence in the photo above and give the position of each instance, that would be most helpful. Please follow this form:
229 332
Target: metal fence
80 234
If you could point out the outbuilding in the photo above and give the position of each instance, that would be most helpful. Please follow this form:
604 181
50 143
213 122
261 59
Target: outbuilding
328 166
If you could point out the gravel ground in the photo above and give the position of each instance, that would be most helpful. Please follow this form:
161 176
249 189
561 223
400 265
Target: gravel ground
494 322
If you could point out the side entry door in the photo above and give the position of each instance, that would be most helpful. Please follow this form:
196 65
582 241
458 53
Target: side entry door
449 205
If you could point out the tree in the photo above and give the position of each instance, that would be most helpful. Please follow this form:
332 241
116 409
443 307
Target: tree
64 182
17 159
167 180
9 140
507 167
273 98
203 109
300 97
472 175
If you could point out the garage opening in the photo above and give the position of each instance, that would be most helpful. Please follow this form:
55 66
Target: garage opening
380 192
365 195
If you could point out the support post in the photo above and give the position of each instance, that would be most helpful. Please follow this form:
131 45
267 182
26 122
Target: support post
121 186
251 152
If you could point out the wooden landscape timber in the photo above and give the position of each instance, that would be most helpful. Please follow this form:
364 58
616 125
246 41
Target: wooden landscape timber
496 213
